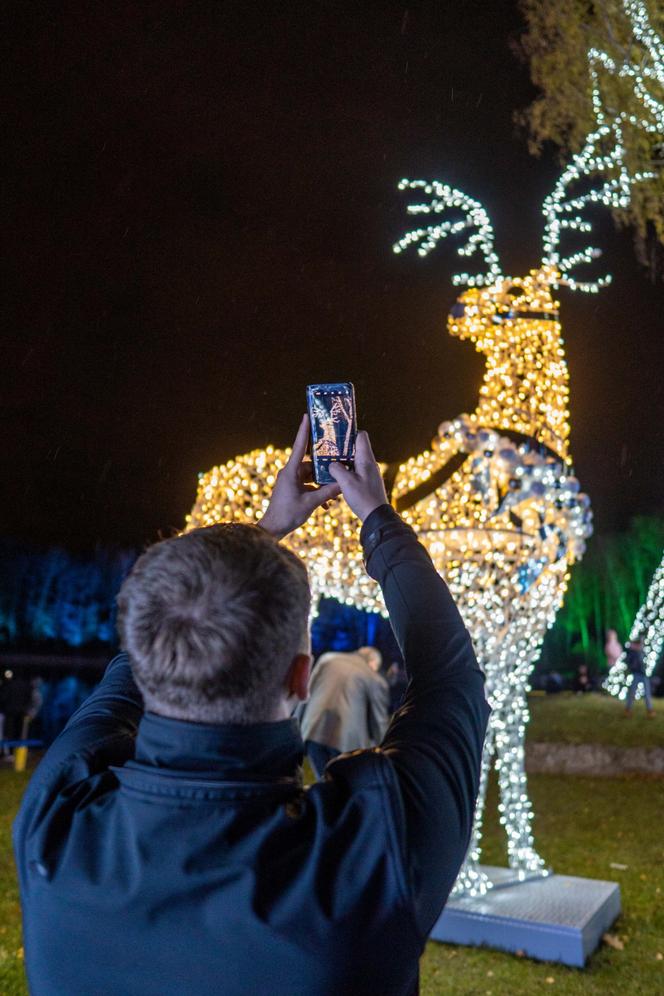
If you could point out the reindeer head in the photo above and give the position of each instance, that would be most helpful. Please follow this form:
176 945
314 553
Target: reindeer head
514 321
493 302
482 314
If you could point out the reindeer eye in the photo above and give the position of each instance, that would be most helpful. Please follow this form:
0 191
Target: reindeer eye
457 310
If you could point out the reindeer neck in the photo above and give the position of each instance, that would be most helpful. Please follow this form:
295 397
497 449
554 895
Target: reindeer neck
525 387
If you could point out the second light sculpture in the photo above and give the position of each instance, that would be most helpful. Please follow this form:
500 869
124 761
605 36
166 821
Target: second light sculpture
648 625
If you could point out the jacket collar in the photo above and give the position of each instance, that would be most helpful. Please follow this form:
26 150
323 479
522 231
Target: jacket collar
263 751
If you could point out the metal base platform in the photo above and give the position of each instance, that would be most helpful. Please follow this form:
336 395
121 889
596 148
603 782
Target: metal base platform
559 918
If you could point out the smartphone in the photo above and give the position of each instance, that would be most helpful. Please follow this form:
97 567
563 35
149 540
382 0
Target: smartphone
333 423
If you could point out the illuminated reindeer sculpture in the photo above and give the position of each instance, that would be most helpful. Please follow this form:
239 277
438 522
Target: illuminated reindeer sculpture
493 499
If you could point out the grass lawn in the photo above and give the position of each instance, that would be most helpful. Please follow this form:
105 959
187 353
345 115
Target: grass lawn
12 981
593 719
583 827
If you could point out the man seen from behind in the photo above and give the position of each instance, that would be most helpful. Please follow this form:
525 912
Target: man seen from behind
165 844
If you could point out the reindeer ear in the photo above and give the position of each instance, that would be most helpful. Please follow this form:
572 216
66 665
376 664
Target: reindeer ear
440 199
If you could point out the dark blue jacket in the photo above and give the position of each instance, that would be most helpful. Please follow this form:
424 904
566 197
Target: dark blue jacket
634 660
161 857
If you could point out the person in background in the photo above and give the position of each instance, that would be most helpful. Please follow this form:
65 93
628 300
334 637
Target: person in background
36 700
17 698
612 648
554 683
4 678
582 681
636 665
348 707
397 679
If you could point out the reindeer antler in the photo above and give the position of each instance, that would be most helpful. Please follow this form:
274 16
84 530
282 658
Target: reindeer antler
603 151
444 198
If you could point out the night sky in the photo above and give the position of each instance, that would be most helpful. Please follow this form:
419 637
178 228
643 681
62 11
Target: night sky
198 211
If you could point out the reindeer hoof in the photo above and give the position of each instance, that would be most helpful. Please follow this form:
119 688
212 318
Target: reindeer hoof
471 881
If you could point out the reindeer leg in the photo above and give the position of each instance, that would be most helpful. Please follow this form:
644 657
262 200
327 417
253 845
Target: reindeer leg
516 813
471 878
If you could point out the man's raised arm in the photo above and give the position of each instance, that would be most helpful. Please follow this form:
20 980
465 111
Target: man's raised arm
435 740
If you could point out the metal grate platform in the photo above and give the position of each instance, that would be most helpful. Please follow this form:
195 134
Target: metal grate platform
560 918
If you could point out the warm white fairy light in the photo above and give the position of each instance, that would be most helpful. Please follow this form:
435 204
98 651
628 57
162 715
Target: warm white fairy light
504 527
649 625
558 208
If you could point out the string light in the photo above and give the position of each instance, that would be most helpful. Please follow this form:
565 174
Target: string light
649 625
603 152
474 216
493 499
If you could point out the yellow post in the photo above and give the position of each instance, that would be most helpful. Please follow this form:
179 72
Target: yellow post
20 758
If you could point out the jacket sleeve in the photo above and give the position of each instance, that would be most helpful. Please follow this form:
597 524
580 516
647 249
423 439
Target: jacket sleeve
435 739
113 709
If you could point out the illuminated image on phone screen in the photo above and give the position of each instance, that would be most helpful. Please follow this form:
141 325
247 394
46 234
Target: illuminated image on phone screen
333 426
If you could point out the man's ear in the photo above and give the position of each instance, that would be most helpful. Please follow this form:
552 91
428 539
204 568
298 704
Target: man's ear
297 680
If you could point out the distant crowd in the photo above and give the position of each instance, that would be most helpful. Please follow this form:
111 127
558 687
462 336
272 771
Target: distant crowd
31 707
334 719
584 679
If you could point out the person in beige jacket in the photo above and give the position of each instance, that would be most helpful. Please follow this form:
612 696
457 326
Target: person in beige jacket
348 705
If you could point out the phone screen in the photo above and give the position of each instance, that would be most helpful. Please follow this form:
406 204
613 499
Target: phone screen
333 424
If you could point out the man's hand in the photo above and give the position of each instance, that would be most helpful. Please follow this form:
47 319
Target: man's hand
294 497
363 487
